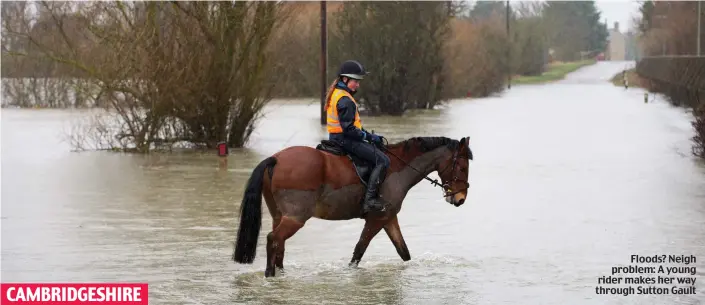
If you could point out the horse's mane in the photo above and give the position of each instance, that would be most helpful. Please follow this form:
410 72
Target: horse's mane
426 144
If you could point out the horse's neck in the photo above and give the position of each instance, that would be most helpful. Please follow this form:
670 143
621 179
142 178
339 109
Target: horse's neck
418 165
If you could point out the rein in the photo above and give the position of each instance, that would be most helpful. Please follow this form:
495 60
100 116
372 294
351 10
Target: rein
434 182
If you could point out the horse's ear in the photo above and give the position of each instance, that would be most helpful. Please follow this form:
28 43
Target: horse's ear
467 142
462 142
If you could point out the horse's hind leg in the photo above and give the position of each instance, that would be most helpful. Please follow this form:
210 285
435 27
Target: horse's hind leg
290 209
275 242
279 256
276 219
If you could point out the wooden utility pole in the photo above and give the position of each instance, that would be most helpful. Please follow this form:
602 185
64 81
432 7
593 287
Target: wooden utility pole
509 47
324 61
698 31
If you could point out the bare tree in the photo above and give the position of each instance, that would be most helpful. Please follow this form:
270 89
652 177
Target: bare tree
165 72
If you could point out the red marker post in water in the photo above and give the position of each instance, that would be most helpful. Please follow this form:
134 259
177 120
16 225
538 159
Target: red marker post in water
223 154
75 293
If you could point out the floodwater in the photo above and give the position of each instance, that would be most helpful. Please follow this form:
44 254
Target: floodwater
569 180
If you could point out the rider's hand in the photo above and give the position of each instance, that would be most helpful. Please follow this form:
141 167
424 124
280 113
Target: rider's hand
375 138
381 140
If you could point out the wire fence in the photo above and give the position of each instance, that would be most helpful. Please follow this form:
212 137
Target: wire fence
682 80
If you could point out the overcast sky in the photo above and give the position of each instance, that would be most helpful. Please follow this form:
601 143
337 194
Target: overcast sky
620 11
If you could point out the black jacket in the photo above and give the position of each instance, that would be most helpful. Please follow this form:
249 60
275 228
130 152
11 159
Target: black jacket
346 117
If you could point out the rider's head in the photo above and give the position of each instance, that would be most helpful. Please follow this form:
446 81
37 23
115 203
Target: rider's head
351 72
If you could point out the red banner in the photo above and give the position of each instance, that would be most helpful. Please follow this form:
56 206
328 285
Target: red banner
77 293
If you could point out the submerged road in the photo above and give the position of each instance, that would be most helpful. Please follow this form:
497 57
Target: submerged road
569 180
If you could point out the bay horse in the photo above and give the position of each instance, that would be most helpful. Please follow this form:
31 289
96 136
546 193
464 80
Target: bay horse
300 182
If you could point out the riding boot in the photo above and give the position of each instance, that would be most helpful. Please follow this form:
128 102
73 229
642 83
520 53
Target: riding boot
372 200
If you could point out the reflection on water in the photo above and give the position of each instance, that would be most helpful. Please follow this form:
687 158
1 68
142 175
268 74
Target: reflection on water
330 286
381 282
565 185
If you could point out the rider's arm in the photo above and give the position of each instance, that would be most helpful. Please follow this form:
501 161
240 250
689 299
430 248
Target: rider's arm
346 116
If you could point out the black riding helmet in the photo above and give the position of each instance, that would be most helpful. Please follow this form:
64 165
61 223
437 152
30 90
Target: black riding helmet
352 69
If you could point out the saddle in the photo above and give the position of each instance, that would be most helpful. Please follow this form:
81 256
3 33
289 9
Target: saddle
362 167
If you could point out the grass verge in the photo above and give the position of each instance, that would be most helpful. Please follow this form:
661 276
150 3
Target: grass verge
632 79
555 71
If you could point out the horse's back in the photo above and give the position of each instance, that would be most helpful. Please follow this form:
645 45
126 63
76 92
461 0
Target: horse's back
298 168
303 167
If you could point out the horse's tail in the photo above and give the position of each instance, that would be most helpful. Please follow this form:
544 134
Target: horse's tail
251 215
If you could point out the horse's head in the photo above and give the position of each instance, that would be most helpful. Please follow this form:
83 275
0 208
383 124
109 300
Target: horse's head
449 158
454 171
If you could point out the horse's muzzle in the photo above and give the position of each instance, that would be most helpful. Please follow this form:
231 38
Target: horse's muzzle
456 200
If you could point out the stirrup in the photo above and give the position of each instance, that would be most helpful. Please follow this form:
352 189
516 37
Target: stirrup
376 204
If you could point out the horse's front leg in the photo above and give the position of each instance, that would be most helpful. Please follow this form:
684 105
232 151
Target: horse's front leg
372 227
394 233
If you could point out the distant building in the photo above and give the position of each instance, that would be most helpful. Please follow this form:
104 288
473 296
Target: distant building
632 48
617 44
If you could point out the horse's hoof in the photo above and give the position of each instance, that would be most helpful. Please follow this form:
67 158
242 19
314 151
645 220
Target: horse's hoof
269 272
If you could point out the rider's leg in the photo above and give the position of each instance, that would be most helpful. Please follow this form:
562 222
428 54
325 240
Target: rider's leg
372 198
381 163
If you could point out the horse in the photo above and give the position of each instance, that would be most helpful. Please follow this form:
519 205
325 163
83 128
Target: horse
300 182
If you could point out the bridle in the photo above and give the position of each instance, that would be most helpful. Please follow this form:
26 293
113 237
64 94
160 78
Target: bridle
445 186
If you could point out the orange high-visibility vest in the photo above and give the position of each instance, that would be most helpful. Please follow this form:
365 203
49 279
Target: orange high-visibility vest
333 121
